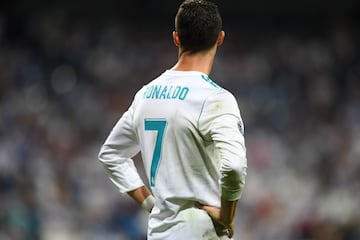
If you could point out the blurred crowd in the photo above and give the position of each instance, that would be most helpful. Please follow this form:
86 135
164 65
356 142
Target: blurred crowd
64 84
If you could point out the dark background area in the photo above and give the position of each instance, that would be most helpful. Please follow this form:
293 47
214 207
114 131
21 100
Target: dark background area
161 8
282 12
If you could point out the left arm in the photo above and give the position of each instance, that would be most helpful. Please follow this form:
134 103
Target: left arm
116 157
143 197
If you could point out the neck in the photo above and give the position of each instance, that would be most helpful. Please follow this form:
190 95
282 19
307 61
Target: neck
201 62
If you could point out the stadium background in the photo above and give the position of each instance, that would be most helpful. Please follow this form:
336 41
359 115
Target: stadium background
69 69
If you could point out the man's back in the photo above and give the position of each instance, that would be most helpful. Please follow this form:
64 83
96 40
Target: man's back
190 135
172 118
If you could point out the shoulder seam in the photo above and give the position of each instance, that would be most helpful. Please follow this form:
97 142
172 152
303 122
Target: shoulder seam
208 80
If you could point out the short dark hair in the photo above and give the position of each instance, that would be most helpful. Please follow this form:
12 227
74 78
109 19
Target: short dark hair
198 23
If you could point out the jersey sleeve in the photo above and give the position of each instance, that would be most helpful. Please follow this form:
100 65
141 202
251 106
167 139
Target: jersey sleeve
117 151
220 122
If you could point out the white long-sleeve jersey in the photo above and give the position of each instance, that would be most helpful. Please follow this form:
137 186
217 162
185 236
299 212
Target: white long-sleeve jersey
190 134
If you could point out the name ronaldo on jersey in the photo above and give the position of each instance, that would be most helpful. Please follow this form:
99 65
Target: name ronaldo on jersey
166 92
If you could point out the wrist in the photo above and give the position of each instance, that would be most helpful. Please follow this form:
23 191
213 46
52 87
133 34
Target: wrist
148 203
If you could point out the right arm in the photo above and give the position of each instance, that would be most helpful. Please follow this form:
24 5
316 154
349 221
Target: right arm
221 123
224 215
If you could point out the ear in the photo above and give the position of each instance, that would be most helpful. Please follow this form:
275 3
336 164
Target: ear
221 37
176 39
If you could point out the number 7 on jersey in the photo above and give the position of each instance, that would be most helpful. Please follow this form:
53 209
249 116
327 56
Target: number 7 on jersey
158 125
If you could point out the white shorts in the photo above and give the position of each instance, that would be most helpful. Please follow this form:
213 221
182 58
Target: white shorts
189 224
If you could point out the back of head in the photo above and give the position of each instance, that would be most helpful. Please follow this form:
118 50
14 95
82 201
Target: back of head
198 23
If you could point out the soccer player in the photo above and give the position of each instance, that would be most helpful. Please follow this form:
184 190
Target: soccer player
190 135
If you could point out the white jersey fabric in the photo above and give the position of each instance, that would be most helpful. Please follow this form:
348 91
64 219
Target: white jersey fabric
190 134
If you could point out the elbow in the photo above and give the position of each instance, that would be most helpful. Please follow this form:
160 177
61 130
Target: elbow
103 154
235 176
237 170
233 179
107 158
